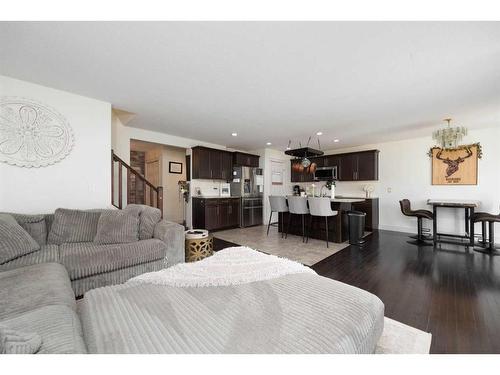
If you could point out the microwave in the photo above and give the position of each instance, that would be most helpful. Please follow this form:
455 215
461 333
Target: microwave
325 173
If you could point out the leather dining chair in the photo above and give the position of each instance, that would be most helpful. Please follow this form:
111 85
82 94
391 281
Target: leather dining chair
420 238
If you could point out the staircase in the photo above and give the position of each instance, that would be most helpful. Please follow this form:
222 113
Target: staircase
153 194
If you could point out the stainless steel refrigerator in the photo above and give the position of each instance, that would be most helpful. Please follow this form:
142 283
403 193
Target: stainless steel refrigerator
248 183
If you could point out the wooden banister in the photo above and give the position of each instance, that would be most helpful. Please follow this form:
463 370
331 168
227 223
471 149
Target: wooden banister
154 190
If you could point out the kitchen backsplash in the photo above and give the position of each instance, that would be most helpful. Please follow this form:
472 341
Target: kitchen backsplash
207 188
344 188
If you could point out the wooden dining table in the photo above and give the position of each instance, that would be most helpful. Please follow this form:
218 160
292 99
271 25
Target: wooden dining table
469 206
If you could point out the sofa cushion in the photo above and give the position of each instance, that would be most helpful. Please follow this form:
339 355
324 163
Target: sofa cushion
87 259
46 254
148 218
14 240
73 226
33 224
27 288
82 286
19 342
117 227
49 219
58 326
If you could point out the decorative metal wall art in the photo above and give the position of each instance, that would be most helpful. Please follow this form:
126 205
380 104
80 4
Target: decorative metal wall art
32 134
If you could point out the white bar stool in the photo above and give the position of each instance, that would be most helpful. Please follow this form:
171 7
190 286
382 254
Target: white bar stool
297 206
278 204
321 207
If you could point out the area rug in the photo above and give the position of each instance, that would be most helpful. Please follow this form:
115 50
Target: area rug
399 338
291 248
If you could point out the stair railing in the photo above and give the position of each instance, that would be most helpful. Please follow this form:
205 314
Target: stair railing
154 191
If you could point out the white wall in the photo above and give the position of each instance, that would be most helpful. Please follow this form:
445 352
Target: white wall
267 156
405 172
173 202
82 179
121 136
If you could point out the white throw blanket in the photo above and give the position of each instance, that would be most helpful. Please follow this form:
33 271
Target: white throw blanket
231 266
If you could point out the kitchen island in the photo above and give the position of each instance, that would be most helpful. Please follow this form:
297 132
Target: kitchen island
338 226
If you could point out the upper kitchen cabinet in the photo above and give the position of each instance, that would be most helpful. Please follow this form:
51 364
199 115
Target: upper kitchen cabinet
245 160
359 166
227 165
216 164
367 166
209 163
201 163
331 161
354 166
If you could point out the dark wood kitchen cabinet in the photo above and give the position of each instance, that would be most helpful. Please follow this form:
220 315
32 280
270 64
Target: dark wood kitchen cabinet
347 167
326 161
227 165
245 160
210 215
216 164
216 213
354 166
331 161
367 166
209 163
201 163
359 166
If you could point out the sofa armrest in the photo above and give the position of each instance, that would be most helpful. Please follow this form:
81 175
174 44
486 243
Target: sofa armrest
173 235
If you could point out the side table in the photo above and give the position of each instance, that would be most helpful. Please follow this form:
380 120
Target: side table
199 248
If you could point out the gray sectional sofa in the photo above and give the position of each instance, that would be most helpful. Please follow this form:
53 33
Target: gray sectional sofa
97 247
38 311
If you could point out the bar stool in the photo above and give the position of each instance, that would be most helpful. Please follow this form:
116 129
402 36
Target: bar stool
483 218
420 238
320 207
297 206
278 204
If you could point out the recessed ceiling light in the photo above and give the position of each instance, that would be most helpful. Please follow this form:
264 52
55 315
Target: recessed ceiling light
269 143
234 134
336 140
319 133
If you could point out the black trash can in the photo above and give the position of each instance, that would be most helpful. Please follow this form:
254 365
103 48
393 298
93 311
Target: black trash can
356 227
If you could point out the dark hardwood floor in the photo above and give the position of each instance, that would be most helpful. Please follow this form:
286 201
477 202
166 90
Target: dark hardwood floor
449 291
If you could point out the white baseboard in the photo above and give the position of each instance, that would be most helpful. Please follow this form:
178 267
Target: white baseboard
396 228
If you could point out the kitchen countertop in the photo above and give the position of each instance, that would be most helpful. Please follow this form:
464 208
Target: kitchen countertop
347 200
341 199
213 197
336 199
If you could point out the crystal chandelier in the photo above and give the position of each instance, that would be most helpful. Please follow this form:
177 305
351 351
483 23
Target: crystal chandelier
449 137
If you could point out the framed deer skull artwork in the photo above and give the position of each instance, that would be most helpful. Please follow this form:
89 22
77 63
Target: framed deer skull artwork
456 166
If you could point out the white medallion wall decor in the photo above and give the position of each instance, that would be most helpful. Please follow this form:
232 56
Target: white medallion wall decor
32 134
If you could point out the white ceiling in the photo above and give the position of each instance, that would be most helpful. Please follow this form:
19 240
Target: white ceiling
361 82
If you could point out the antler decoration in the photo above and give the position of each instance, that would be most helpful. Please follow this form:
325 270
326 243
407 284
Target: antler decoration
453 164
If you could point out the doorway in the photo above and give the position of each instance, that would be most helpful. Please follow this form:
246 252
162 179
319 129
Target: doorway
161 165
